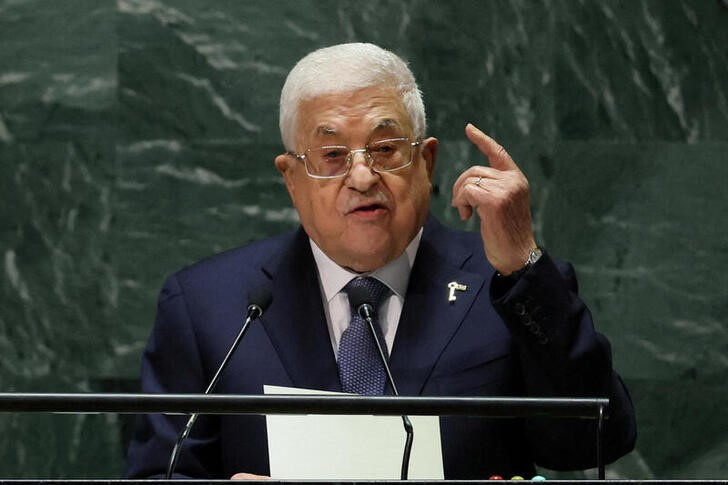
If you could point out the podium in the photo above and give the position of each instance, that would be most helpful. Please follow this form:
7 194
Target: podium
595 409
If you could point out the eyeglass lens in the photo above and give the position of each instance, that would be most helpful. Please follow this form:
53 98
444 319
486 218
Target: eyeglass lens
382 155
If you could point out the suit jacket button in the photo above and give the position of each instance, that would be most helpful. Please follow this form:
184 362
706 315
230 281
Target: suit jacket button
520 308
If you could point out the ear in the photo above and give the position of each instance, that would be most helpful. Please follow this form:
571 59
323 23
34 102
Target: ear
286 164
428 148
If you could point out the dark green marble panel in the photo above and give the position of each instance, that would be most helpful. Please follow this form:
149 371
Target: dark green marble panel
642 70
644 225
137 136
58 291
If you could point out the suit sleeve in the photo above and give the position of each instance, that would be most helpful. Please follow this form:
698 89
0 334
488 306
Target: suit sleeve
171 364
562 355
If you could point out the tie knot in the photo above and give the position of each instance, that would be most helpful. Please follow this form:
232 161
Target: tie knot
366 290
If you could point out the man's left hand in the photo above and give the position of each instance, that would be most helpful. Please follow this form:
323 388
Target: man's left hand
499 194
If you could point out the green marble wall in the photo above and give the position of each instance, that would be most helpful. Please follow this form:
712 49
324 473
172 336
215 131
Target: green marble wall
138 135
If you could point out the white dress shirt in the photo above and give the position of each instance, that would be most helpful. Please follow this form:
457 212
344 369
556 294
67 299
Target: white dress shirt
333 278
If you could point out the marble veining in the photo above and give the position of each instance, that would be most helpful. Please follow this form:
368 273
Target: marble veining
137 136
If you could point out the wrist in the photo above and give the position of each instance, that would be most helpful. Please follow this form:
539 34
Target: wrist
534 255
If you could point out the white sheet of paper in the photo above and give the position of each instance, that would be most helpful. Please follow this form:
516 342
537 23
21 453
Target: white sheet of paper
337 447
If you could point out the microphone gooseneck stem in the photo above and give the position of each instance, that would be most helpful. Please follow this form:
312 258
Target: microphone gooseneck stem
410 433
178 445
253 313
366 312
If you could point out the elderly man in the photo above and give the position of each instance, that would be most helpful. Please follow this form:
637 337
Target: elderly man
459 314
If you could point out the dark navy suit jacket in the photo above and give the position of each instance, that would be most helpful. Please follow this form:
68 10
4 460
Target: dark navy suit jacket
531 338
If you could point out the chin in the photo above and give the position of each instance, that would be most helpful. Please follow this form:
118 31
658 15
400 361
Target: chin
367 260
363 249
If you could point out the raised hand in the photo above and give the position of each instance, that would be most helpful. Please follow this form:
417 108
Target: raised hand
499 194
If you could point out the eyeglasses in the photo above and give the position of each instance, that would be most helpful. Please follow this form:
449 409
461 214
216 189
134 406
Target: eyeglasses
334 161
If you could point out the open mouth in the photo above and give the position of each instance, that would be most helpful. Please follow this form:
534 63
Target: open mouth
369 208
373 209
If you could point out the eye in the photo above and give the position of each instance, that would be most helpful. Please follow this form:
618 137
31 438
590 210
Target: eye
333 154
384 148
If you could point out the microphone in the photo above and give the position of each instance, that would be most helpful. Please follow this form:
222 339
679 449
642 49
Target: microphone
260 300
358 298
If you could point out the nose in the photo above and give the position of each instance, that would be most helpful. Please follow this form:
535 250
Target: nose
361 177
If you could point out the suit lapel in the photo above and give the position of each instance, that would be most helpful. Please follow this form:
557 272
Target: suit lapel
429 320
295 322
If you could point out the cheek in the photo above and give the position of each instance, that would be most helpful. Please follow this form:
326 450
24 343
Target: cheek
418 193
317 205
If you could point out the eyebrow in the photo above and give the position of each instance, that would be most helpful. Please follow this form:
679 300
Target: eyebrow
325 130
387 123
383 124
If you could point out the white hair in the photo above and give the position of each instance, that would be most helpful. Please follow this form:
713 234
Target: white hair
346 68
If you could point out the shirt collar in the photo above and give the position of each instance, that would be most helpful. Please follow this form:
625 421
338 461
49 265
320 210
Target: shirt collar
394 274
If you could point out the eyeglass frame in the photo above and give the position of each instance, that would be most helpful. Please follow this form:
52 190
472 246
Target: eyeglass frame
350 158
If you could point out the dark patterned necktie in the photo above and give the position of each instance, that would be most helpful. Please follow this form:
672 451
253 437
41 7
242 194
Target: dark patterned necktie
360 366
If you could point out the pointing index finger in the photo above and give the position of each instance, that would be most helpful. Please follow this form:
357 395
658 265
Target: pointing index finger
497 155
